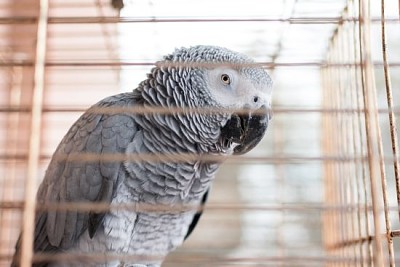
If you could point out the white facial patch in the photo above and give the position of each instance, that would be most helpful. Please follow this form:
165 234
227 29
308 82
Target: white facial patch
232 89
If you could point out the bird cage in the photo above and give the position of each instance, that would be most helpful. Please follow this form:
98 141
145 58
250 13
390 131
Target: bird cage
321 189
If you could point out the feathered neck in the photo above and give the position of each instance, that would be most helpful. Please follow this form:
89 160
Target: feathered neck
185 126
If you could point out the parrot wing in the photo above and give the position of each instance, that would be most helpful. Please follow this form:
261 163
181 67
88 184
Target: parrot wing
70 180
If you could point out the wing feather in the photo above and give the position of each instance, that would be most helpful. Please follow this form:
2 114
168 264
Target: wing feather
197 216
68 180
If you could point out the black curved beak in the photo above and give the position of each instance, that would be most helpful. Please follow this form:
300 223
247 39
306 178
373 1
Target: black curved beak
246 129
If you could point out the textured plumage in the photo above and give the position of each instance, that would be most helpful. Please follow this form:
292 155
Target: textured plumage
210 77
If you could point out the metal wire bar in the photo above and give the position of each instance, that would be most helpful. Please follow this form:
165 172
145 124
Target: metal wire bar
394 146
106 19
361 125
69 4
328 216
137 110
346 89
34 145
183 157
204 260
134 63
9 181
354 126
369 99
389 97
340 174
335 183
140 207
217 207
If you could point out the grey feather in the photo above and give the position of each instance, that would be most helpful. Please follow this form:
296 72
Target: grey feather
166 181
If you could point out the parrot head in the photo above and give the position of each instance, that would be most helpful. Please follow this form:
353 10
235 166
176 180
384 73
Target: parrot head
246 91
219 78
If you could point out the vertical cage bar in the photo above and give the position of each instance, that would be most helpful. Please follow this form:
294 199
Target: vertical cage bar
389 98
335 181
342 144
356 200
362 196
13 120
362 135
348 89
393 137
34 144
371 125
279 145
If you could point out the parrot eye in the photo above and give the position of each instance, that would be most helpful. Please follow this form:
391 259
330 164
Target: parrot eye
226 79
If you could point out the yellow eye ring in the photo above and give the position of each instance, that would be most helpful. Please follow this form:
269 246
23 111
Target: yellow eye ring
226 79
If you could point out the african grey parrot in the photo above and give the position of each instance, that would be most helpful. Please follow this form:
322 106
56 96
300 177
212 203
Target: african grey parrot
238 94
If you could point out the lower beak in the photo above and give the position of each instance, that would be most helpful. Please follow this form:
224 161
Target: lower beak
246 130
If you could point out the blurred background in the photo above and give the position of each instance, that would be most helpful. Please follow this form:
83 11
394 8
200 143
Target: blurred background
320 190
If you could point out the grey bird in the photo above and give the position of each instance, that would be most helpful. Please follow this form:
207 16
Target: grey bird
189 82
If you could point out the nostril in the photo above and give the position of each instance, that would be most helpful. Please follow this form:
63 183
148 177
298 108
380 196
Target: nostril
255 99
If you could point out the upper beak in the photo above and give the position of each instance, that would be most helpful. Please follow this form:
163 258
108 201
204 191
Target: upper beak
247 129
